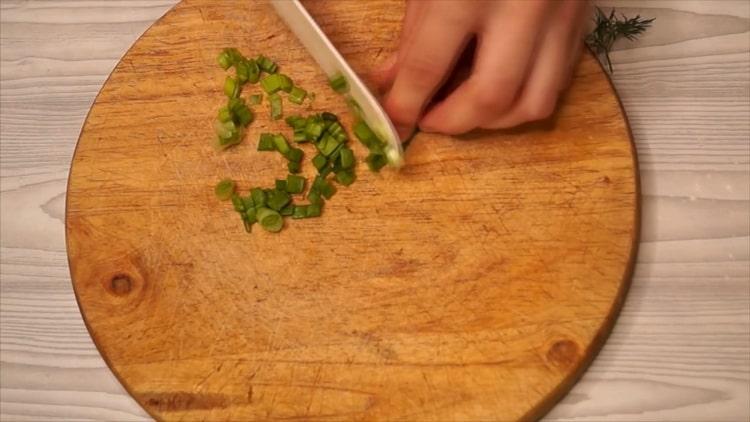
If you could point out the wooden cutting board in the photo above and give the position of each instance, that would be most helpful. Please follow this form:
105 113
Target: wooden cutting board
476 284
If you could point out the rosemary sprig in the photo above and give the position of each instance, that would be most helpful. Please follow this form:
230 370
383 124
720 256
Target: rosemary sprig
610 28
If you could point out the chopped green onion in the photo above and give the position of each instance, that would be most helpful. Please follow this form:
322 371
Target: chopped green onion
269 219
248 225
259 197
327 190
225 130
314 197
266 142
346 157
300 211
244 115
237 203
324 171
242 70
319 161
345 177
253 71
271 83
354 107
247 202
281 144
299 136
296 121
313 130
281 184
314 210
295 154
287 210
339 83
231 87
297 95
276 109
376 161
266 64
225 60
295 184
294 166
285 82
364 133
224 115
251 215
278 199
328 145
255 99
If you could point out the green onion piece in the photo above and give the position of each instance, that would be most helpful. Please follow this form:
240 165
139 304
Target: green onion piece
269 219
294 166
346 158
318 182
235 104
328 145
266 64
255 99
345 177
295 184
296 121
253 71
327 190
287 210
364 133
225 60
297 95
234 55
339 84
271 83
376 161
325 171
281 184
242 70
313 130
244 115
281 144
295 154
276 109
354 107
224 115
314 210
314 197
300 136
248 225
266 142
237 203
319 161
285 82
300 211
259 197
231 87
225 130
335 155
278 199
247 202
329 116
251 215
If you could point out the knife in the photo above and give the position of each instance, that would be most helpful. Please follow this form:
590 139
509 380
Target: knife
333 64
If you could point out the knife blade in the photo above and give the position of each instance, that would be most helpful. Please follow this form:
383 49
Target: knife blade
304 27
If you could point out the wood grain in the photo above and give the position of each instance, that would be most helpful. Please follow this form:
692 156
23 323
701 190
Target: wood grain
475 284
680 348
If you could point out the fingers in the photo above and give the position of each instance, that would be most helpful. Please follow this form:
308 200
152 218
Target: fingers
505 51
550 73
386 72
436 37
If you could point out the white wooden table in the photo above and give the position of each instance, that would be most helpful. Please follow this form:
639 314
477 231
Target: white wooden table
681 348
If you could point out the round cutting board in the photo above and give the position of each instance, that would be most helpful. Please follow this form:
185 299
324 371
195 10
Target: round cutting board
475 284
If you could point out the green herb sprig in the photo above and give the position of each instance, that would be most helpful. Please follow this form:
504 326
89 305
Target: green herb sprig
610 28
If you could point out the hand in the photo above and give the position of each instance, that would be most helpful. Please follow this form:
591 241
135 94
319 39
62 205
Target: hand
526 51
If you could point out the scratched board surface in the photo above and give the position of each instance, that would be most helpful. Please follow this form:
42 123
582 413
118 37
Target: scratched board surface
476 283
